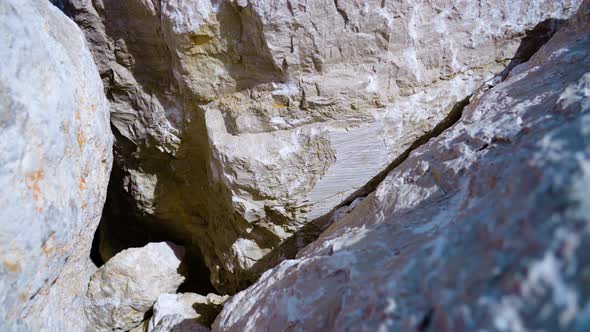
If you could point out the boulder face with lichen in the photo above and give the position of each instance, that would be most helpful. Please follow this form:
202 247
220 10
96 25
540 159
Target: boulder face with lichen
55 160
241 125
484 228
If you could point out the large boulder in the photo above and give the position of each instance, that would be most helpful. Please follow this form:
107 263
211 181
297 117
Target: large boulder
55 159
125 288
240 124
484 228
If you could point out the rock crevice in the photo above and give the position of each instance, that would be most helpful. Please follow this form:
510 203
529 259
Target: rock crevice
241 126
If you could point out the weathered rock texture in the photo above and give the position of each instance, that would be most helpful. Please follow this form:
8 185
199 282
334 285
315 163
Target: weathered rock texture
174 323
124 289
240 122
187 311
485 228
55 159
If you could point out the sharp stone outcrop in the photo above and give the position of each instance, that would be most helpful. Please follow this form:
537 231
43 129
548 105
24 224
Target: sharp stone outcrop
123 290
55 159
240 122
485 227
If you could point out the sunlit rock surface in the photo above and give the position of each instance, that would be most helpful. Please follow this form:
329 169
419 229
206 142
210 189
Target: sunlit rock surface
55 159
185 311
123 290
240 122
484 228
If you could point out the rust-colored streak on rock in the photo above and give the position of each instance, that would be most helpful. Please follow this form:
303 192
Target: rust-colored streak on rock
12 267
32 181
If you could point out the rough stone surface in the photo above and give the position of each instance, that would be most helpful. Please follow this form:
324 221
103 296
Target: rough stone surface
484 228
125 288
175 323
174 312
55 159
240 122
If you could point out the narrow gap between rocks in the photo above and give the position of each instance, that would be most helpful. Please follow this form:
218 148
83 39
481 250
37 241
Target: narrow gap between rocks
122 226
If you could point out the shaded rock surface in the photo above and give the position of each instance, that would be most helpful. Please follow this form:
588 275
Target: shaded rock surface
238 123
486 227
124 289
55 159
186 311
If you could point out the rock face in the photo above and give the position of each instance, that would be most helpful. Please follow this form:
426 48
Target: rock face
125 288
239 123
55 159
188 311
484 228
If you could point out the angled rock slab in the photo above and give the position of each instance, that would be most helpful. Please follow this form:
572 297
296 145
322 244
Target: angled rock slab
124 289
486 227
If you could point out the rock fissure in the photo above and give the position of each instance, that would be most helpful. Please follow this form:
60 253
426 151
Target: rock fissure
257 205
375 162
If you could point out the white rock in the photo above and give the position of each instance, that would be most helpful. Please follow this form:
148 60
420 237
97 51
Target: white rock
181 311
55 159
126 287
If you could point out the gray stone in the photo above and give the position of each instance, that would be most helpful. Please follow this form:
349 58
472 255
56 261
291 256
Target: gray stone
55 159
122 291
484 228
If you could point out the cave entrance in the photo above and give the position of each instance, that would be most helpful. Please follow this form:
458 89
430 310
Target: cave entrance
122 226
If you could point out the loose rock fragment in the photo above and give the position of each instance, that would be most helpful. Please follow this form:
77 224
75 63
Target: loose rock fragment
125 288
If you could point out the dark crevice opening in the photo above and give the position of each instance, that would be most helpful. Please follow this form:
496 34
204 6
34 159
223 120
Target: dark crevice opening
533 40
426 321
94 250
123 226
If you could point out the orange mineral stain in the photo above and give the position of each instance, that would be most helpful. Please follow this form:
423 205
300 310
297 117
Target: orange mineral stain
81 138
32 181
